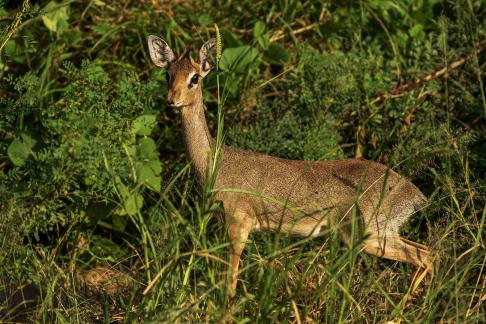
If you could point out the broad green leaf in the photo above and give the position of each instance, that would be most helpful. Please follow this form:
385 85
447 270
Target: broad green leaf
148 174
90 180
50 23
29 141
230 39
105 248
121 187
132 200
144 125
55 16
205 20
101 27
132 151
120 223
132 204
10 48
258 29
147 149
19 150
238 59
148 165
259 34
15 51
417 31
99 3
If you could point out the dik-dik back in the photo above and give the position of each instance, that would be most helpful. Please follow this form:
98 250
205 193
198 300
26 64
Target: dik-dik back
300 197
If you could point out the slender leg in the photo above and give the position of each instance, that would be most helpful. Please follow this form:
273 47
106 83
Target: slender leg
397 248
239 228
420 246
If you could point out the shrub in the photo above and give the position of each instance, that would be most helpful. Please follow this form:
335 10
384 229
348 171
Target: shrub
85 146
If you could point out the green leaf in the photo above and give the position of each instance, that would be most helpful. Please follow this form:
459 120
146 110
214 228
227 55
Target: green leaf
148 174
132 200
102 28
15 51
99 3
132 151
19 150
277 54
238 59
258 29
205 20
144 125
121 187
260 35
90 180
148 165
417 32
230 39
29 141
10 48
55 17
102 247
120 223
147 148
132 204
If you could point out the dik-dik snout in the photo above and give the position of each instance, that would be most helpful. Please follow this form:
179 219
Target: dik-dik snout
184 75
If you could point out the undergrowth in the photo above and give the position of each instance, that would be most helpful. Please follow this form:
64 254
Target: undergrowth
102 221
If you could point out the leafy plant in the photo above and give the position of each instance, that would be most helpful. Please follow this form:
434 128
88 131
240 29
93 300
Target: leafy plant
84 143
55 17
19 150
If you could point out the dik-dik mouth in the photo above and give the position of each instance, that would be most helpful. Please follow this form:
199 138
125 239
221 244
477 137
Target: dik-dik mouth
176 105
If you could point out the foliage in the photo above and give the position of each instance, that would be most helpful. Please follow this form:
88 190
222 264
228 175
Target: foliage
84 149
94 182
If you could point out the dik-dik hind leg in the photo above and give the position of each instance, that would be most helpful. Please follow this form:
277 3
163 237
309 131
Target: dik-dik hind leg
400 249
239 227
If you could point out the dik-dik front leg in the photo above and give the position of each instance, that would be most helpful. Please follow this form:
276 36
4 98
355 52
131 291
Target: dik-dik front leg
240 224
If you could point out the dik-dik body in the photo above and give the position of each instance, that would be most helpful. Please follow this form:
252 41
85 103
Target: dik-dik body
262 192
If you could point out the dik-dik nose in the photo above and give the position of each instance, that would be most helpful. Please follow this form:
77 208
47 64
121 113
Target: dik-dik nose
172 97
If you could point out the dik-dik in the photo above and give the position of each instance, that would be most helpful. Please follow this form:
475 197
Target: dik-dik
262 192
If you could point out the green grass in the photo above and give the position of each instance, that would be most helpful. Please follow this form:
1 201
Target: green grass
102 219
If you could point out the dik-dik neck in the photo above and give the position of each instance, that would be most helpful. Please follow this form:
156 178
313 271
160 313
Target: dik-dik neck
197 139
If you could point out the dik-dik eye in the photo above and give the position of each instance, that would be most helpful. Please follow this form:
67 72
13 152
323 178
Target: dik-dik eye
194 80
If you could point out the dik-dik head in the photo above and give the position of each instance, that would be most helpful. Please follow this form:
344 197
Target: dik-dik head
184 75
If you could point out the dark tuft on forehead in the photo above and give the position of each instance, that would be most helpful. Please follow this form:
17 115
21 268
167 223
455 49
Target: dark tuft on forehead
183 62
186 54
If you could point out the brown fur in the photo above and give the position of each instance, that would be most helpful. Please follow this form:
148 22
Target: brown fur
261 192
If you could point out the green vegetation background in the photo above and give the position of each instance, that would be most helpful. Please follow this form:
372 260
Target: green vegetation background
101 219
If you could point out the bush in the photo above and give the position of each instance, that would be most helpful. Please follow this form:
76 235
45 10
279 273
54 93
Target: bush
84 147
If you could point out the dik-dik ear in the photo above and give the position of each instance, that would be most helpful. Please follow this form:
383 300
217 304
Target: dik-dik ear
206 53
160 52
